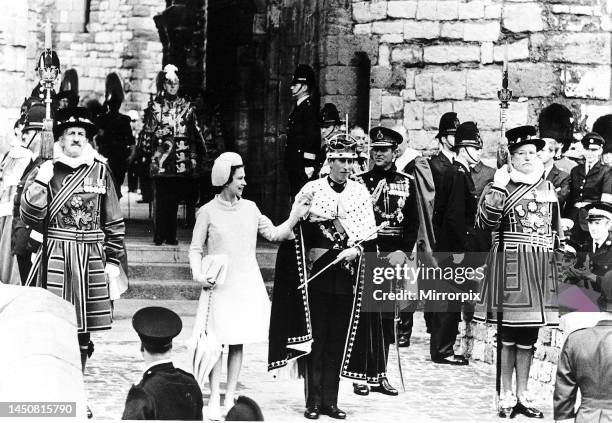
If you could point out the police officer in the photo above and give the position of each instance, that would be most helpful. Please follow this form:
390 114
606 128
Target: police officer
303 136
454 216
165 392
446 136
394 198
589 183
599 218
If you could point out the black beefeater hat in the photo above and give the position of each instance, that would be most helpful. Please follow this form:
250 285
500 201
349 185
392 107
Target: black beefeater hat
73 116
522 135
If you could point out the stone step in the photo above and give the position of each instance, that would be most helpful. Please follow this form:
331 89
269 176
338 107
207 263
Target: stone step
173 290
125 308
176 271
140 252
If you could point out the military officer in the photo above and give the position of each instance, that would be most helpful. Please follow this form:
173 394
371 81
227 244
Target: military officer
589 183
394 198
454 216
165 392
555 124
303 136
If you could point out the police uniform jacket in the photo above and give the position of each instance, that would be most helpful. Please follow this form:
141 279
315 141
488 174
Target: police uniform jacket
588 188
394 198
600 261
439 164
585 363
303 138
455 210
561 181
164 393
481 175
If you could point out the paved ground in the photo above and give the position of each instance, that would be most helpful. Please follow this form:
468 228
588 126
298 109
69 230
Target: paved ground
433 392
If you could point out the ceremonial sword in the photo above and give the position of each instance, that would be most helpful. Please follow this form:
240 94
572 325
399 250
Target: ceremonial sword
337 260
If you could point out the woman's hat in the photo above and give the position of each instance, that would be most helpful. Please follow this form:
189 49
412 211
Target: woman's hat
222 168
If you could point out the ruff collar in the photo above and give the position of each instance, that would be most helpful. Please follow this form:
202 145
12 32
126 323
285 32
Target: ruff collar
531 178
87 158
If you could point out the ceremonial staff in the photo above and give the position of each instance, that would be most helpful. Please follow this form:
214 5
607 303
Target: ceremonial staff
504 95
48 71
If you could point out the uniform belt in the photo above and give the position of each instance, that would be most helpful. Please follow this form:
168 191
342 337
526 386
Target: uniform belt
75 235
523 238
391 231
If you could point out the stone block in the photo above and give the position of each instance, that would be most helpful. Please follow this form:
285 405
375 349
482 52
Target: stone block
524 17
452 30
380 76
593 111
139 23
486 53
392 38
384 55
424 86
413 115
518 114
410 74
487 31
579 48
516 51
560 8
484 112
493 11
362 29
402 9
376 102
472 10
421 30
447 10
408 94
587 82
366 11
449 85
451 54
532 80
103 37
391 105
483 83
431 119
388 27
581 10
422 140
427 9
141 11
408 55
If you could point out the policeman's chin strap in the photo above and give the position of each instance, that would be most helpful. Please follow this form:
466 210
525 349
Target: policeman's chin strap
31 140
470 156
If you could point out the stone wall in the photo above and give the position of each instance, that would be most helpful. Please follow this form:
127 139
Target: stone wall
438 56
120 37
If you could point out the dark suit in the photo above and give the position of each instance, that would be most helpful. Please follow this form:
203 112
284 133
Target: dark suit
585 188
303 144
561 181
165 393
585 363
439 164
481 175
455 214
114 141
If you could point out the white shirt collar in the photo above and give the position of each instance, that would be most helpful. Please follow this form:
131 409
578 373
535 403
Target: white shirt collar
157 363
303 99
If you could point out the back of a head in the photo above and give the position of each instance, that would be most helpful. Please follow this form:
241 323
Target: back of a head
245 409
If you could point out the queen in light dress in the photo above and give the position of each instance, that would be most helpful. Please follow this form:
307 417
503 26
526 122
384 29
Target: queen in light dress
240 307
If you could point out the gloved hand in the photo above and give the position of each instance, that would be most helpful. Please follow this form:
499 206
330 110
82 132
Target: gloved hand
397 258
501 177
349 254
301 206
112 271
45 172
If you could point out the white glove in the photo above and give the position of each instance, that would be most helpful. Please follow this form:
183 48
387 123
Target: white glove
301 206
309 171
111 270
566 224
45 172
501 177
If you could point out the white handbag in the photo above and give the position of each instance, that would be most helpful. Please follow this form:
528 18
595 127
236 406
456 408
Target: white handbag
214 267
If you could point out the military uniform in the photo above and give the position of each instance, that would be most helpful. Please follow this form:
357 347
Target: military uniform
303 134
561 181
165 392
394 199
